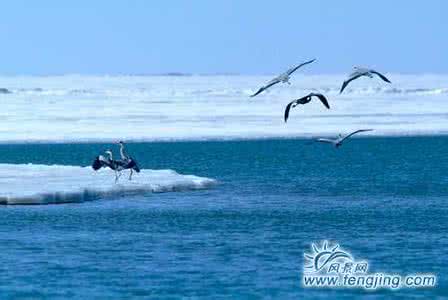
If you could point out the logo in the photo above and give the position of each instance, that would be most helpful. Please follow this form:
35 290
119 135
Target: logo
324 256
330 266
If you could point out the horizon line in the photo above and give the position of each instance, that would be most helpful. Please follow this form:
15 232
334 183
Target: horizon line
189 74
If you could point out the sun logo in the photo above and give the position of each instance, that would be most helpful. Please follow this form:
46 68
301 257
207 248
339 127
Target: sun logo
323 256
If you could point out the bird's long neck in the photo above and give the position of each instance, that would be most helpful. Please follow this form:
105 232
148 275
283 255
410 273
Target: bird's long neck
123 153
110 155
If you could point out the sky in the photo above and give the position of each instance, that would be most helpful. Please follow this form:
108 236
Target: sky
229 36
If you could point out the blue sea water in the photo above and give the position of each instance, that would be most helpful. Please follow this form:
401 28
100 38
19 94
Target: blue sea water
384 199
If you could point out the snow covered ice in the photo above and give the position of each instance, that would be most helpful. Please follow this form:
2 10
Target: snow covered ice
42 184
76 108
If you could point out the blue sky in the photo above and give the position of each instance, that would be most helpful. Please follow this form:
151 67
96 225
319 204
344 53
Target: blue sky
231 36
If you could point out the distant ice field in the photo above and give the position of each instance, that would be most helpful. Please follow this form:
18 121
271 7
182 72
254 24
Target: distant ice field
75 108
43 184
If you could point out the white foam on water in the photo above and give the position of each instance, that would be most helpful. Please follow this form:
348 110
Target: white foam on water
76 108
43 184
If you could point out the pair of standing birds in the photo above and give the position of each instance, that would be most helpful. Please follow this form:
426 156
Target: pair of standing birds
125 163
284 78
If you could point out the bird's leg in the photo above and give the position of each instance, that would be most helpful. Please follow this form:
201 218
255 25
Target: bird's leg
285 80
130 175
117 176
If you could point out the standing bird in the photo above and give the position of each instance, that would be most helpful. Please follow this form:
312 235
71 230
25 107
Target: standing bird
284 78
107 162
359 72
338 142
126 161
305 100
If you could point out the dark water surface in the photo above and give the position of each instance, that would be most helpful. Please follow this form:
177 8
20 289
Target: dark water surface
384 199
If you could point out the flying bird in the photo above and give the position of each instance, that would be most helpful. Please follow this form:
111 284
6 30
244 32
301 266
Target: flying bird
359 72
305 100
284 78
338 141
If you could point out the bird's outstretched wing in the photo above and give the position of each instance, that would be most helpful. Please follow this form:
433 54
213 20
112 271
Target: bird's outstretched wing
101 162
288 108
322 99
293 69
268 85
96 165
325 141
380 76
350 79
355 132
294 103
133 165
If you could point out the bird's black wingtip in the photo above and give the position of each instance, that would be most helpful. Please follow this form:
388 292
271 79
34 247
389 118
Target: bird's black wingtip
255 94
96 165
286 116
